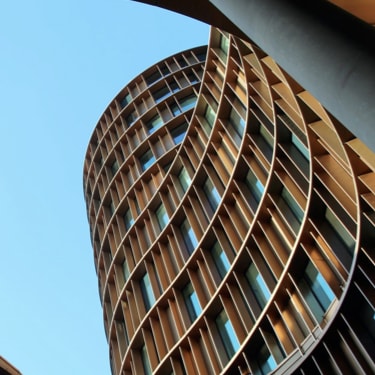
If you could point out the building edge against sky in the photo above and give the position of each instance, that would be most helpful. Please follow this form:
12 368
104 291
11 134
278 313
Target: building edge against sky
6 368
232 222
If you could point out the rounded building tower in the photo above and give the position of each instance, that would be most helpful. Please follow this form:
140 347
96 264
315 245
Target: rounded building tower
232 220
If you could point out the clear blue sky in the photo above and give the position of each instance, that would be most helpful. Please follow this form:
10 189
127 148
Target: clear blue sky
61 63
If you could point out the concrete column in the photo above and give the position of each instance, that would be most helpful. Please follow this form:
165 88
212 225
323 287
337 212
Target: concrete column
328 51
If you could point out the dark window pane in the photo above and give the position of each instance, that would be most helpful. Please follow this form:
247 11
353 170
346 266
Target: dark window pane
147 159
227 334
153 77
189 236
147 292
179 132
191 300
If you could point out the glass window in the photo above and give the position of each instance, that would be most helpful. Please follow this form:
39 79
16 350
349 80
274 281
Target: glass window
161 94
155 123
175 109
184 179
209 115
147 159
292 211
125 269
191 300
220 259
153 78
147 292
188 235
292 204
236 126
162 216
224 44
201 56
173 86
227 334
192 77
211 193
316 291
112 208
122 328
164 70
182 62
265 360
131 118
266 135
179 132
340 230
254 185
300 146
188 102
125 100
114 167
257 285
145 361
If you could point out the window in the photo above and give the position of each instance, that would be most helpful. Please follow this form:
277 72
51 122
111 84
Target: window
316 291
164 70
268 138
125 269
153 78
291 210
224 44
255 186
292 204
265 361
128 219
173 86
155 123
236 126
191 300
131 118
201 56
212 194
192 77
184 179
179 132
147 159
182 62
175 109
341 232
300 146
114 167
162 216
161 94
147 292
145 361
112 208
227 334
189 237
122 328
220 259
188 102
209 115
125 100
257 285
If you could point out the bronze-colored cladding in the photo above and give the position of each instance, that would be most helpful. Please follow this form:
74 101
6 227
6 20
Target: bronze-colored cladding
242 247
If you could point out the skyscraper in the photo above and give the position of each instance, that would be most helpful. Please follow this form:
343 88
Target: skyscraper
232 220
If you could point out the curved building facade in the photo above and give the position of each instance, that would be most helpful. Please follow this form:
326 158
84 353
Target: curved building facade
232 220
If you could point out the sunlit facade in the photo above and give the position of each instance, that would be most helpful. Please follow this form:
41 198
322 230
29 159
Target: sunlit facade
232 220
